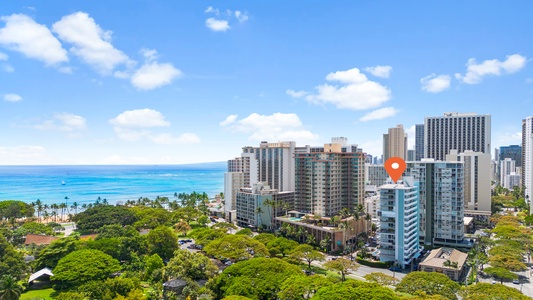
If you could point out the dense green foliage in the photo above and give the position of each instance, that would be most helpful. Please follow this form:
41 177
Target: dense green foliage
9 288
82 266
194 266
15 209
51 254
151 217
257 278
307 253
352 289
162 241
342 266
11 261
487 291
34 228
303 287
500 273
101 215
236 247
431 283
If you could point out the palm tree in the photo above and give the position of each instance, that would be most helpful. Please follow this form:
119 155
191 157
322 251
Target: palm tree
9 288
75 206
325 243
39 205
258 212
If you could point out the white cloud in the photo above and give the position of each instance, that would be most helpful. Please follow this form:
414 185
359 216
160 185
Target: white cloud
296 94
24 35
242 17
3 56
435 84
229 120
379 114
374 147
149 54
476 71
140 118
210 9
356 91
7 68
169 139
12 97
217 25
64 122
154 75
275 127
91 43
380 71
13 154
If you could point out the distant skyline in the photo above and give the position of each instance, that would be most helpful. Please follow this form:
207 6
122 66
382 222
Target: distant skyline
171 82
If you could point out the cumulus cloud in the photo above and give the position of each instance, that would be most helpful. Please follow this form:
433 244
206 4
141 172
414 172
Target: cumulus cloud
64 122
275 127
296 94
380 71
435 83
22 34
3 56
476 71
13 154
229 120
355 91
210 9
90 42
149 54
153 75
380 114
134 125
12 98
242 17
140 118
217 25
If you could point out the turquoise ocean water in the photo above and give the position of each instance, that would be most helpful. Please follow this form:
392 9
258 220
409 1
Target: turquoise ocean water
84 184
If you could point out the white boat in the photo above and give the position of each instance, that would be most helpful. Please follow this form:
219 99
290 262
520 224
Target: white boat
63 182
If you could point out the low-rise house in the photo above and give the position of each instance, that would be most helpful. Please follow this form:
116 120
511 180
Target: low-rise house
39 239
448 261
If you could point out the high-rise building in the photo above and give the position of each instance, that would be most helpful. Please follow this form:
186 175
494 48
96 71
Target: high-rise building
329 178
395 143
411 155
496 154
457 131
527 157
419 142
477 178
399 222
512 180
513 152
375 175
441 186
507 166
260 205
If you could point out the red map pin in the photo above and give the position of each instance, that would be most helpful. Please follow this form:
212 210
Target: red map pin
395 167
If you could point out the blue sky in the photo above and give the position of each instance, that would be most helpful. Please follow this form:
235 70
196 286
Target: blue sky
159 82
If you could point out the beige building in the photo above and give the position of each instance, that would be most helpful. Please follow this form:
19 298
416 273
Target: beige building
395 143
448 261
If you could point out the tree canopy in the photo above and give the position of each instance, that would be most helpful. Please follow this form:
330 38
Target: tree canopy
307 253
236 247
257 278
341 265
51 254
82 266
162 241
500 273
381 278
300 287
11 261
97 216
191 265
352 289
15 209
487 291
431 283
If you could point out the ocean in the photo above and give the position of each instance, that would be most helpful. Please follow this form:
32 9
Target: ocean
84 184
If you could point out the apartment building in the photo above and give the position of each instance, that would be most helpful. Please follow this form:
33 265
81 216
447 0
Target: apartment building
527 157
395 143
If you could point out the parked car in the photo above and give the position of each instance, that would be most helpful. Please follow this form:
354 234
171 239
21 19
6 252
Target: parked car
516 281
395 269
493 282
228 263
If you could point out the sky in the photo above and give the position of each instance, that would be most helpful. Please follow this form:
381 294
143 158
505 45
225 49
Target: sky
172 82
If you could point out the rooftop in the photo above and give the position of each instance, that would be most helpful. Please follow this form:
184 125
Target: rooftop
438 257
39 239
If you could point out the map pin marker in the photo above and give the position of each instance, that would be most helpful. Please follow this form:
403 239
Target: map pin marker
395 167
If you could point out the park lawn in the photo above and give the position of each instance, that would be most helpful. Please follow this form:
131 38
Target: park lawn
38 294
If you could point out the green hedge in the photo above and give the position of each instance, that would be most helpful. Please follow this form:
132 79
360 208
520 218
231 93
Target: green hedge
375 264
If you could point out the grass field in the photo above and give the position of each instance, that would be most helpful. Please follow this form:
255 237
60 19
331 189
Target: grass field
37 294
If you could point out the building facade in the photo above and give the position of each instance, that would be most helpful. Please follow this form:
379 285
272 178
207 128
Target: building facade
507 166
477 177
375 174
329 179
457 131
419 142
395 143
441 188
527 157
259 205
399 222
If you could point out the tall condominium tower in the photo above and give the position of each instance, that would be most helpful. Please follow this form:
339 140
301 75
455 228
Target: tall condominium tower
527 157
399 222
457 131
507 166
441 187
395 143
419 142
477 178
513 152
329 178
